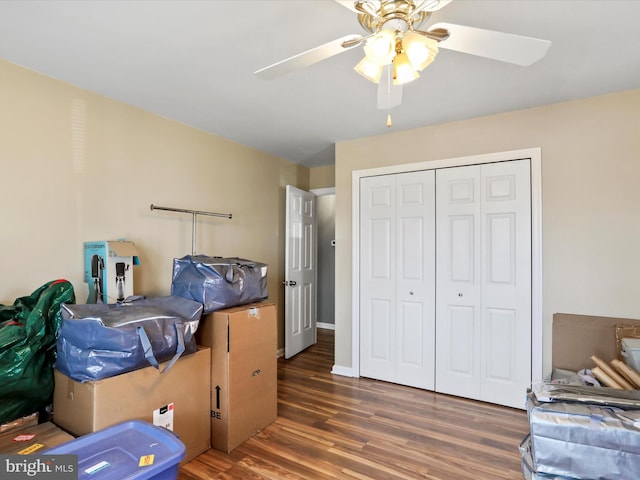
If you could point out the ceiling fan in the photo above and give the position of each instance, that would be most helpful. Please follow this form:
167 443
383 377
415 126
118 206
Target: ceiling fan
396 49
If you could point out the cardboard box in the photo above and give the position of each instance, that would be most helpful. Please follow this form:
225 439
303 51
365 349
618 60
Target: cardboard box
108 270
244 377
33 439
177 399
20 423
575 338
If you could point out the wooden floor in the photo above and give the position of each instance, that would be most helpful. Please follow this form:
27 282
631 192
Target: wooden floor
330 426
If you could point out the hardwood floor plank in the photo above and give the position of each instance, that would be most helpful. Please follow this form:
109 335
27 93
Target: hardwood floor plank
333 427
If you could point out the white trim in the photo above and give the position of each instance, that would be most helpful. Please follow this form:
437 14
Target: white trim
355 270
537 326
319 192
537 333
326 326
343 371
280 353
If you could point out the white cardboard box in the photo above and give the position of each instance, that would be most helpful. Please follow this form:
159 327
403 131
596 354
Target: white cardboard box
108 270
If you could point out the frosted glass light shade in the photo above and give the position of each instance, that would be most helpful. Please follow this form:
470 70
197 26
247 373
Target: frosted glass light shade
381 48
369 70
421 50
403 71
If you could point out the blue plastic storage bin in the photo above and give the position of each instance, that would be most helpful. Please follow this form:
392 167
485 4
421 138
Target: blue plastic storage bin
132 450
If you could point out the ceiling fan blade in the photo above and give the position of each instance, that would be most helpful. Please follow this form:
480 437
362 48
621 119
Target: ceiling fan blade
309 57
389 95
350 4
504 47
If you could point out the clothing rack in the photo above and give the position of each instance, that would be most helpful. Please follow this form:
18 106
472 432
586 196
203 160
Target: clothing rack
194 213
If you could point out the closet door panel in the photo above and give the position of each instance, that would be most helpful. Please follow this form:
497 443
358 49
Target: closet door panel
415 281
458 282
377 277
506 282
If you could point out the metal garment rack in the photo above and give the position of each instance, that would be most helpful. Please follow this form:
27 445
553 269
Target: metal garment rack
194 213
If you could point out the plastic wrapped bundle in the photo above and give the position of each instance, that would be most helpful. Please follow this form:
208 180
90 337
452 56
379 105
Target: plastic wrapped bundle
528 470
584 441
99 341
218 282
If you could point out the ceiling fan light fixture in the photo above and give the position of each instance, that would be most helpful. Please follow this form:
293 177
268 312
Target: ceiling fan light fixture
403 71
369 70
421 50
380 48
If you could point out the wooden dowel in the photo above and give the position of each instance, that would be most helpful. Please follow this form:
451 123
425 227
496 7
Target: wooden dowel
605 379
627 371
615 376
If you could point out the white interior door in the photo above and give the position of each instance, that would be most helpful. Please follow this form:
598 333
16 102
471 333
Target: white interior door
483 319
300 271
397 278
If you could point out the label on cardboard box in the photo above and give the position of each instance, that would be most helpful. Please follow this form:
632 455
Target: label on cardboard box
108 271
31 448
163 417
24 438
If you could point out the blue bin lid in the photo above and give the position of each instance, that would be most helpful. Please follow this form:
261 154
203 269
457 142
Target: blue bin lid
129 450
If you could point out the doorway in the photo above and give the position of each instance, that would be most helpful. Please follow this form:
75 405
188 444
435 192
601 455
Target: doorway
325 208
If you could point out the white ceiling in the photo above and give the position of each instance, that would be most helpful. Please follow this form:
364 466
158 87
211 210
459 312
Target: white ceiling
193 61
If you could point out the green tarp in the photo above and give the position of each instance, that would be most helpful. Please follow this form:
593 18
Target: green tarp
28 331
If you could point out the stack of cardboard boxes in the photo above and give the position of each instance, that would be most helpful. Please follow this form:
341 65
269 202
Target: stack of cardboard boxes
221 395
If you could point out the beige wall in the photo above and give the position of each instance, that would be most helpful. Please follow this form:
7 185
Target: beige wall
322 177
78 167
590 196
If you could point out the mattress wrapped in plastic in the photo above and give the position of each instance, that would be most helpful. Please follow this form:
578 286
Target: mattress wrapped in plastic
218 282
581 440
98 341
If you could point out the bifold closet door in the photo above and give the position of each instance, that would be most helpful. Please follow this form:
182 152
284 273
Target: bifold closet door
397 274
483 313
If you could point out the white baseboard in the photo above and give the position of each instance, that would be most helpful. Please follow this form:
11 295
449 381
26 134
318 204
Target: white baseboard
326 326
280 353
343 371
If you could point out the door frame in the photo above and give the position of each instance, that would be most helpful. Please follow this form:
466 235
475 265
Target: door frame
535 156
